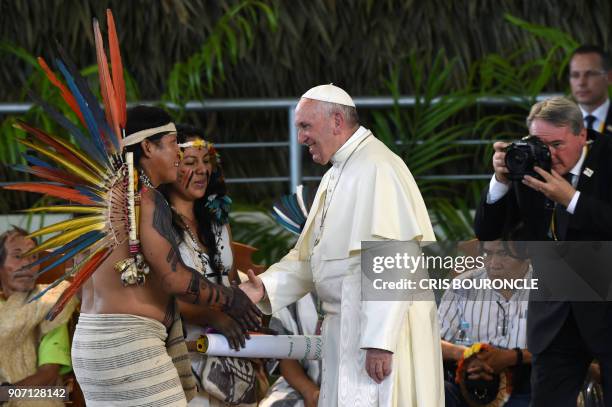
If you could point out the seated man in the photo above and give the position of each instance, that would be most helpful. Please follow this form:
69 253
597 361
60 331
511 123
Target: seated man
25 358
496 318
299 383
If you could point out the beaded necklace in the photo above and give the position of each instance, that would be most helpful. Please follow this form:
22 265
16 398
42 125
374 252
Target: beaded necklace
195 246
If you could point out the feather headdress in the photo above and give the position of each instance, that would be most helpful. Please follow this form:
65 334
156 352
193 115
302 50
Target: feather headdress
85 168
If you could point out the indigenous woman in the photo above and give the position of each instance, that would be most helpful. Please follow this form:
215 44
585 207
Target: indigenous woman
200 209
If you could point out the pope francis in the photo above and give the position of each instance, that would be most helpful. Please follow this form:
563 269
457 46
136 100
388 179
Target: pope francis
376 353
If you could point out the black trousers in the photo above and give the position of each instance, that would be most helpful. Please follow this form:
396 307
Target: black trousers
559 371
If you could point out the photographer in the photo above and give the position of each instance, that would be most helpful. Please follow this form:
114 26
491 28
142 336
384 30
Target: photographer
571 202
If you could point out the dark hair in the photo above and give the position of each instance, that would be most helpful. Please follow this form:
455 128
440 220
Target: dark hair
206 222
141 118
15 230
515 241
606 62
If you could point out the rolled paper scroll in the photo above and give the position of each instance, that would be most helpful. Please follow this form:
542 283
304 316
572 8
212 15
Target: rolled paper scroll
264 346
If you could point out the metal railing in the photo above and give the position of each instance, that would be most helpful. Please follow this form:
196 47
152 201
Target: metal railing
288 104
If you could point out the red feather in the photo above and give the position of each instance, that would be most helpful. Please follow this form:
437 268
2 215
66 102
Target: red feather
106 85
68 194
56 175
66 94
79 279
117 68
48 139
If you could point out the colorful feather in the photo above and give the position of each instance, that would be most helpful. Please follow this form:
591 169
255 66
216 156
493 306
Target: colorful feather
67 209
80 172
66 237
117 69
33 160
106 84
68 225
92 125
92 102
66 95
79 279
62 146
62 250
87 145
62 278
57 191
80 244
50 174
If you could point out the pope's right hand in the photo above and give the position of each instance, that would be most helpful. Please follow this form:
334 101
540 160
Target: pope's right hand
253 288
499 162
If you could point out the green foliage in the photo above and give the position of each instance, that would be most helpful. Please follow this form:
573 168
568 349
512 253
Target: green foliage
231 37
258 229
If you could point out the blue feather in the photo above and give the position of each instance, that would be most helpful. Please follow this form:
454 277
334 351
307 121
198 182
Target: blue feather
295 214
291 228
92 125
82 141
87 191
33 160
83 242
61 250
91 100
49 287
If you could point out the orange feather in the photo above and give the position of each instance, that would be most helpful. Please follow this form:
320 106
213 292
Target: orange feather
55 175
79 279
66 94
57 191
117 68
106 85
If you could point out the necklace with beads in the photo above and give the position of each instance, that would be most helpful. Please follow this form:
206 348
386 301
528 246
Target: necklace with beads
146 181
195 246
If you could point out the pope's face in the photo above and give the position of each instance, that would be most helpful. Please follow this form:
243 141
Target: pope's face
315 128
588 80
14 276
565 147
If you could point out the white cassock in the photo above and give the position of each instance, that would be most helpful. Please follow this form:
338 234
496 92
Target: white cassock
368 194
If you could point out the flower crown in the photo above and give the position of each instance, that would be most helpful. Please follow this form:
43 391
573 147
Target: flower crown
201 143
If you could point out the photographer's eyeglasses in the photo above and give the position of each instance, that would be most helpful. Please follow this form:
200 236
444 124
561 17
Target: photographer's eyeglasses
587 74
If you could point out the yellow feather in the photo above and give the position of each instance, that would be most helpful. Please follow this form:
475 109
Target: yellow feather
64 238
80 172
68 224
67 209
92 164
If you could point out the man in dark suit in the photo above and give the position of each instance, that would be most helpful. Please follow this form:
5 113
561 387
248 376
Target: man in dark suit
563 337
590 74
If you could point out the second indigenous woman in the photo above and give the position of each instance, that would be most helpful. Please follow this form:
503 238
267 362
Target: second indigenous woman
200 209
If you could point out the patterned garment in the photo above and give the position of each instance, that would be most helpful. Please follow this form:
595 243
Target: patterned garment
223 373
122 360
297 319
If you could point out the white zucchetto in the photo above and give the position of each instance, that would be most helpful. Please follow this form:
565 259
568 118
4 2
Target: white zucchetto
329 93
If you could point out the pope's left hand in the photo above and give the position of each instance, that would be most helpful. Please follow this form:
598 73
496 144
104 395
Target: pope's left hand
554 186
378 364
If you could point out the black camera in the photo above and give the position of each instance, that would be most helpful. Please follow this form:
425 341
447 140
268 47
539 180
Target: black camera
524 154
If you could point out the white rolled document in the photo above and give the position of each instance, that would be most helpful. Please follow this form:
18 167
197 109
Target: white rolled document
264 346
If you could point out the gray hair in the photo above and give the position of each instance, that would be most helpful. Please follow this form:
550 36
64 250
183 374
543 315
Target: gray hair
558 111
348 112
15 230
